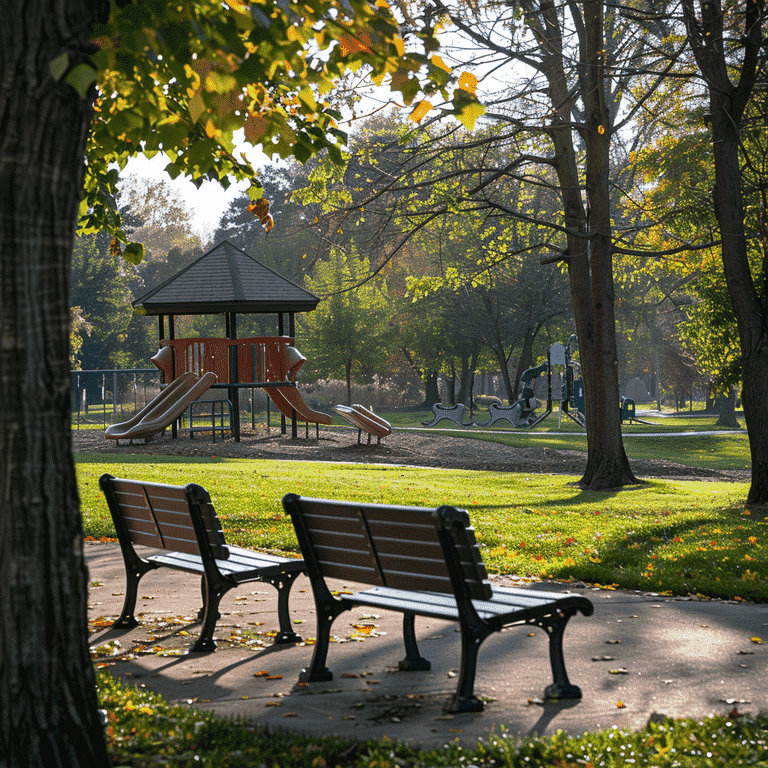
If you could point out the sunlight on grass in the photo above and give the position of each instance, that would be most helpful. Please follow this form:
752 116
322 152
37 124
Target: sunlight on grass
678 537
143 729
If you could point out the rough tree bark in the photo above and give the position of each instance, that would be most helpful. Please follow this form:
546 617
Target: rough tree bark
48 702
727 104
589 243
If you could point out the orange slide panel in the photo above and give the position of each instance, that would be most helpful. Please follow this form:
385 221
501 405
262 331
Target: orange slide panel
289 399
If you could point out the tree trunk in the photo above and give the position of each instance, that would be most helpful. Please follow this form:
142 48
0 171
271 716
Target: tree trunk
348 379
726 408
590 253
431 391
526 358
726 106
48 702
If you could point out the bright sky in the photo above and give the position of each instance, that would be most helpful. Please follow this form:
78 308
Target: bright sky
208 203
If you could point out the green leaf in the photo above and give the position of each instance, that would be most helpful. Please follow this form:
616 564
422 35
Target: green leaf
134 253
59 66
81 78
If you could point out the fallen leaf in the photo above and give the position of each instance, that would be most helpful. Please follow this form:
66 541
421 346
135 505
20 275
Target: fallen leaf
620 705
619 671
603 658
756 640
613 642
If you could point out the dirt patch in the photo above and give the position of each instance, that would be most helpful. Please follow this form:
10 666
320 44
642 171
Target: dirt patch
427 448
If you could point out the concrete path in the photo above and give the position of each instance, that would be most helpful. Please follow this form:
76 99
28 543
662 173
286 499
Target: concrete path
637 655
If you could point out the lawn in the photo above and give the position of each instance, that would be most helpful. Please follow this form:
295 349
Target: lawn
667 537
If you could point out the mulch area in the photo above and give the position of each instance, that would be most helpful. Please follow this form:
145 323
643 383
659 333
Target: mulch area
427 448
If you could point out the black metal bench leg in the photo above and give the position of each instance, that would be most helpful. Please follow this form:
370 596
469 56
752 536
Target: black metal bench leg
283 586
561 688
317 671
464 699
205 643
133 575
413 661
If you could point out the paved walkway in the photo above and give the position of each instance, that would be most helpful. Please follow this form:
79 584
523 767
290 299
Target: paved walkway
636 655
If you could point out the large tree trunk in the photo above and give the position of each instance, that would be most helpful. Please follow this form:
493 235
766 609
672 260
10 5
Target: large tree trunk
607 463
48 703
750 310
590 251
727 104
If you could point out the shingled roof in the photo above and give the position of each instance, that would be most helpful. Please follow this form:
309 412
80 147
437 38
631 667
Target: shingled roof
225 279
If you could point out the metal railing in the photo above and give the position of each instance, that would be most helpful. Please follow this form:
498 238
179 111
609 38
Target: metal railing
111 395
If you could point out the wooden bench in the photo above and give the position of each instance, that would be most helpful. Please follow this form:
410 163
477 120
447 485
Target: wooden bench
423 562
181 523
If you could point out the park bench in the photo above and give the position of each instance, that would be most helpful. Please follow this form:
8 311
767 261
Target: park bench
181 525
422 562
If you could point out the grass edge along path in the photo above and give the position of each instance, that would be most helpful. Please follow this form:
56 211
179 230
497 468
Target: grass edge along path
668 537
143 730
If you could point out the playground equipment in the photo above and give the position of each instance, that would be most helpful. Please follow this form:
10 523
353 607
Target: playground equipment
267 362
164 410
565 386
365 420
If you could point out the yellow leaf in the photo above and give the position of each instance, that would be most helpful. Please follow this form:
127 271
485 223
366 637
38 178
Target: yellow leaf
438 62
399 44
756 640
468 82
470 113
620 705
421 109
211 131
600 129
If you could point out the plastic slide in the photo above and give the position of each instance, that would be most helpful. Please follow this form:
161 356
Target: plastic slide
161 412
289 399
364 419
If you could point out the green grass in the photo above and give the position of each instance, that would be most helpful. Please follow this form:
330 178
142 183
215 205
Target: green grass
144 730
677 537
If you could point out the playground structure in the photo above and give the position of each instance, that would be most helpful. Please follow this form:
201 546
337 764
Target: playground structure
564 386
270 363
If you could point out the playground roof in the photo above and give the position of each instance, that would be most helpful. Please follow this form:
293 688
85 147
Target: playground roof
225 279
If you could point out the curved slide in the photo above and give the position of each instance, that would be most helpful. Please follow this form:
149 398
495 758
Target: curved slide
168 406
364 419
289 399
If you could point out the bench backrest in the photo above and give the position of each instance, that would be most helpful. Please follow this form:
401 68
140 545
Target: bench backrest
171 517
397 547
